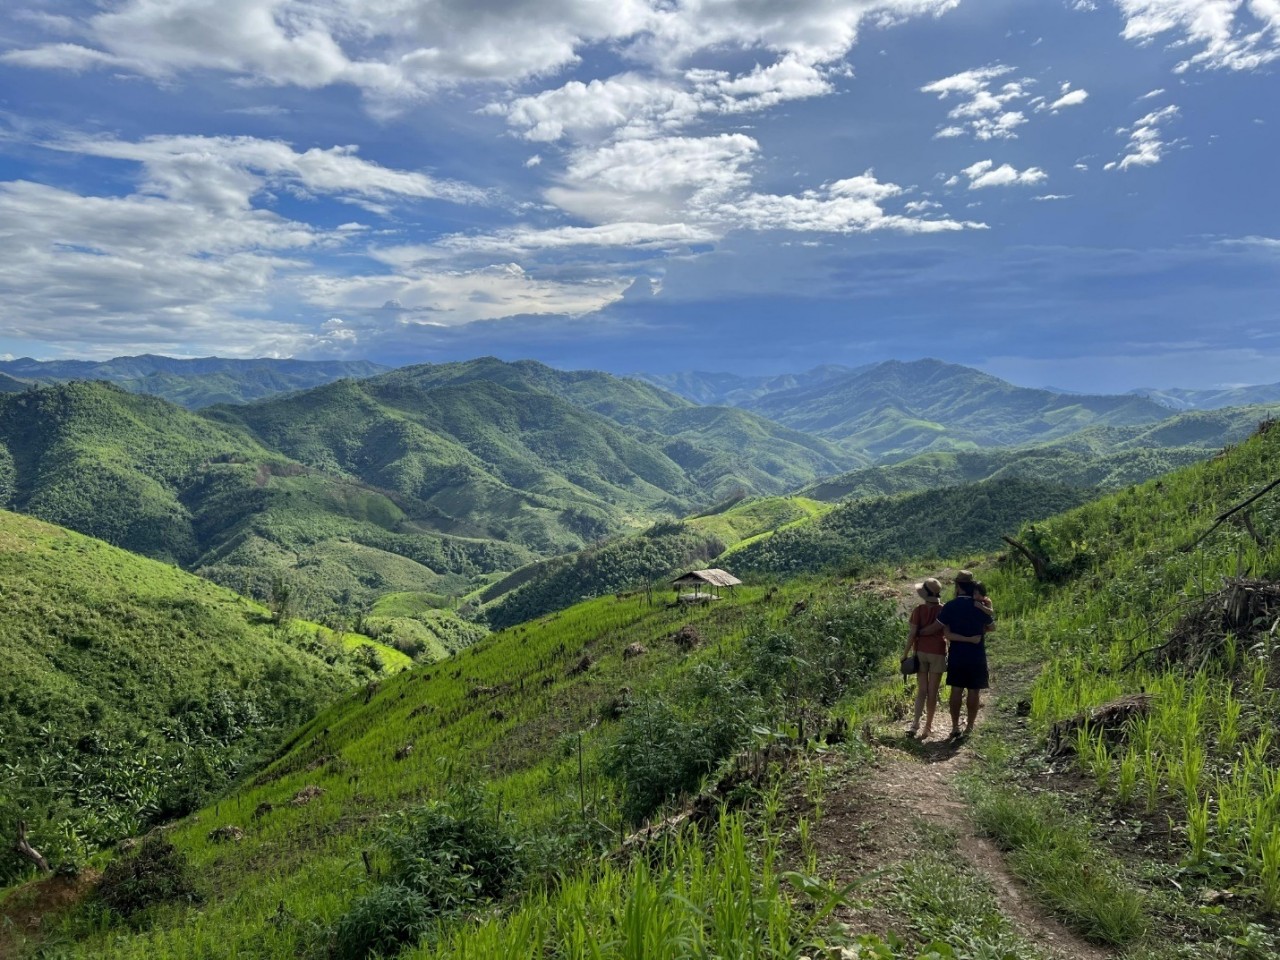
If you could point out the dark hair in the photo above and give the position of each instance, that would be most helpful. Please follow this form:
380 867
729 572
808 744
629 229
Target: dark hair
966 587
979 587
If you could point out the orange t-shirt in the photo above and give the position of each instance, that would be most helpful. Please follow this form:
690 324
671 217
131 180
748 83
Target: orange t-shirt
923 615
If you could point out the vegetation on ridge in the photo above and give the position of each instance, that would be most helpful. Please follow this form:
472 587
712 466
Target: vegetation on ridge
132 691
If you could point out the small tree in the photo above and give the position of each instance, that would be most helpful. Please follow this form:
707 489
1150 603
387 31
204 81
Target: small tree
281 601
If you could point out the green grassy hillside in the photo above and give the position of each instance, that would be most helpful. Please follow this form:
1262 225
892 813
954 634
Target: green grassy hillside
948 522
1159 836
516 707
1184 792
131 690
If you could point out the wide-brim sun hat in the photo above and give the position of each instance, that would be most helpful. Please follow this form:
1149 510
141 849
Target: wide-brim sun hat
929 589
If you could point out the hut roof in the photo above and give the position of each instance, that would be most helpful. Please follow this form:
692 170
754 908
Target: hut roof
715 577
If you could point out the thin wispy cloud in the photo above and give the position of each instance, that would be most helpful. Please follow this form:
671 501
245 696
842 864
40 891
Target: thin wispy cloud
987 106
1146 146
1225 34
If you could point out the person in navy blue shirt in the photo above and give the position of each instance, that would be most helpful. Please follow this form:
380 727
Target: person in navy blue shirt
966 623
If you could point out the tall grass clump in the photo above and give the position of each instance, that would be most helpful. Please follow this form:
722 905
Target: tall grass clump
704 894
1145 604
446 858
1052 853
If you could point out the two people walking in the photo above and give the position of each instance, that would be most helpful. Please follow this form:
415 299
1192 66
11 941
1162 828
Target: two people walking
950 638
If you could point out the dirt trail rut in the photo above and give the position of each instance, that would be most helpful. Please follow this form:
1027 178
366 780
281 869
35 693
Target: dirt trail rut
872 822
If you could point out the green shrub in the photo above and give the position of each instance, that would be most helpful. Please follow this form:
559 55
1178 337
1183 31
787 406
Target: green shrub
389 917
665 746
447 857
156 873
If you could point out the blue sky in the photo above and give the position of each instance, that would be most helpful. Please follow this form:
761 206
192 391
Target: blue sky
1063 192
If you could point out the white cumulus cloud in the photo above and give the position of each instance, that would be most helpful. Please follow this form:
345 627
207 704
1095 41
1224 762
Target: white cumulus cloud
985 174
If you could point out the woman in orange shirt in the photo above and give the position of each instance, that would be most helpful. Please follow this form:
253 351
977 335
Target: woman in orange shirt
930 646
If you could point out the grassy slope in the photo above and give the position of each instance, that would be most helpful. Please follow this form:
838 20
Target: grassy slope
307 858
97 640
946 522
781 536
304 856
1209 745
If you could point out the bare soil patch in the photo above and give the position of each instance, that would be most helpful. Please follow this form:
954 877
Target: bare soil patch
882 818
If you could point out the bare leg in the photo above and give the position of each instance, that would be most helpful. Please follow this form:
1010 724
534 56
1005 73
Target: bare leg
922 680
931 703
957 694
975 701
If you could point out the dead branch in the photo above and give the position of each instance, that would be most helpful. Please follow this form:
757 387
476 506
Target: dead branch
1218 521
1038 563
27 851
1111 720
1247 520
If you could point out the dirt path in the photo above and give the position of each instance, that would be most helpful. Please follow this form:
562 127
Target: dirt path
873 822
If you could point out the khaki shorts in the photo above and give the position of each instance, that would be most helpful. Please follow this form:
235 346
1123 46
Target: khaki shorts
933 662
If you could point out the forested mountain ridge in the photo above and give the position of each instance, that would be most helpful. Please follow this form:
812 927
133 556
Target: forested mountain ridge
194 383
1099 456
422 480
736 390
891 410
730 447
1179 398
144 474
895 409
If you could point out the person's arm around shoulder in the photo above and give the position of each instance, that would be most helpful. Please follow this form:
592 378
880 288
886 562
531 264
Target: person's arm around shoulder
914 633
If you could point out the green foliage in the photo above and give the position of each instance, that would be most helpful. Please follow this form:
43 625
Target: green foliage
626 564
156 873
133 692
948 522
722 893
667 744
446 858
824 654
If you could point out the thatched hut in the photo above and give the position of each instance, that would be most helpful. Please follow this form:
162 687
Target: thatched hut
712 581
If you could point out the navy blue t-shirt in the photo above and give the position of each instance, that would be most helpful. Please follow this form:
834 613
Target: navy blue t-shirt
962 616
